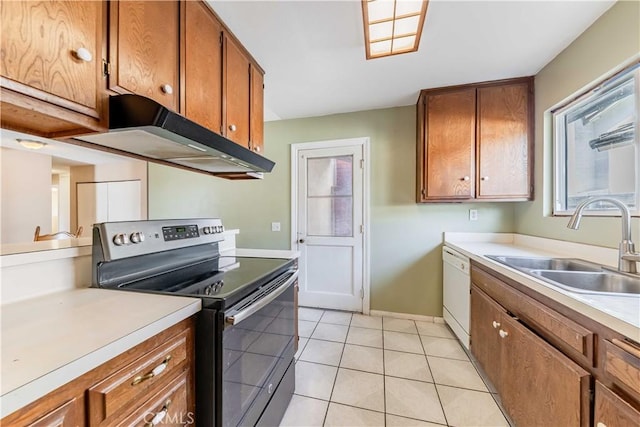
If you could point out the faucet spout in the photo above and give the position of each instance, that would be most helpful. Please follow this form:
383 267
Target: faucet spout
627 256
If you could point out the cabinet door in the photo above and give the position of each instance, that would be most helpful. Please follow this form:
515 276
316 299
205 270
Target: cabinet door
504 137
610 410
202 65
257 110
450 124
236 93
63 416
485 342
41 51
540 386
143 46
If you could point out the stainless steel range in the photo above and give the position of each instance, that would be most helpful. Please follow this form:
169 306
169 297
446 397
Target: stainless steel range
245 332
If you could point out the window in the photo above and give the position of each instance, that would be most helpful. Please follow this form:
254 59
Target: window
596 146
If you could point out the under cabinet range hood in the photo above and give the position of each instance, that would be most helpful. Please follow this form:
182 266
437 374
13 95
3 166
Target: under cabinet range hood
140 126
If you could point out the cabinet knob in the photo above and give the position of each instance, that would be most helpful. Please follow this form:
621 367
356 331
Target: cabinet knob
257 149
485 178
301 241
166 88
466 178
496 324
232 128
83 54
503 334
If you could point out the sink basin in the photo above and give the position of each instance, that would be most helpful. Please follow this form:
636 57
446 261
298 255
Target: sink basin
592 282
540 263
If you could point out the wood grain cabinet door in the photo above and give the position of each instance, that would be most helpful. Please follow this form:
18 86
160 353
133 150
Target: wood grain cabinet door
67 415
53 51
202 65
257 110
504 138
485 342
236 86
143 49
540 386
450 123
610 410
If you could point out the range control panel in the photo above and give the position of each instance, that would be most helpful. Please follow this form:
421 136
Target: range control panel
131 238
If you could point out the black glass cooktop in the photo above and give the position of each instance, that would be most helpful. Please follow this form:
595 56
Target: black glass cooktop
219 281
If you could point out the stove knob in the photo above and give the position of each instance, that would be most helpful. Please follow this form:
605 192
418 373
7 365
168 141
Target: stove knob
219 229
137 237
207 230
120 239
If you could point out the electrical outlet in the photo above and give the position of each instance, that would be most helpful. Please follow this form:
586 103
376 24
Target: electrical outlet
473 214
275 226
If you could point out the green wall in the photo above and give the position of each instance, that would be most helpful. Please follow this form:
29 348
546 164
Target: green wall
611 40
406 263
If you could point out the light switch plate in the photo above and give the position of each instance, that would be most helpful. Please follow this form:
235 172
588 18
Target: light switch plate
275 226
473 214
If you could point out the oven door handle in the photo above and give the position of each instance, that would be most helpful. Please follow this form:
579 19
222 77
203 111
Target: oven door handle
241 315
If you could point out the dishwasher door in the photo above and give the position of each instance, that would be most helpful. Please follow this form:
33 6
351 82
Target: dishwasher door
456 286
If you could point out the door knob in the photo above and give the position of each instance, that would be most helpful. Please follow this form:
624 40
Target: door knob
301 241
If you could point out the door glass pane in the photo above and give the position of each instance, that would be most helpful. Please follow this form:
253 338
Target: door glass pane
330 196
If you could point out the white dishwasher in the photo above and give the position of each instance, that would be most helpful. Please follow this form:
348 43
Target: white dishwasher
456 287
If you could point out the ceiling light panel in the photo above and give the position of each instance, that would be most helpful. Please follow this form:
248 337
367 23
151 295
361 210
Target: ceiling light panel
392 26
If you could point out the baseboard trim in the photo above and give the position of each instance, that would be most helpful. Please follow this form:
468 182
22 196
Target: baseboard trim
432 319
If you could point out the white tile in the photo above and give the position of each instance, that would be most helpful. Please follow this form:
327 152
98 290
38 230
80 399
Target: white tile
399 325
359 389
406 365
362 358
301 344
364 336
363 321
434 329
396 421
348 416
325 352
468 407
457 373
443 347
305 328
336 317
304 411
314 380
413 399
312 314
329 332
402 342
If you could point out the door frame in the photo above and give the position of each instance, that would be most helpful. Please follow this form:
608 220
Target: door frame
362 142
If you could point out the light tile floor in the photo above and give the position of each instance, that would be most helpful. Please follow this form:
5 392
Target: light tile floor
355 370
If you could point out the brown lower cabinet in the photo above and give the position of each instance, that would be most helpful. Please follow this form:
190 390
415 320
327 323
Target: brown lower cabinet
550 365
154 380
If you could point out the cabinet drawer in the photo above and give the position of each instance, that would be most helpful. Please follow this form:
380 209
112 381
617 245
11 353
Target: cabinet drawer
622 365
168 407
611 411
563 332
136 380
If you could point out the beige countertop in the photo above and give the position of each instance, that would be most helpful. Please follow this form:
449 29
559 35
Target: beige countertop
620 313
50 340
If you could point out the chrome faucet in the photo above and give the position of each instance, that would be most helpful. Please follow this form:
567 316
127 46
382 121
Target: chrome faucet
627 255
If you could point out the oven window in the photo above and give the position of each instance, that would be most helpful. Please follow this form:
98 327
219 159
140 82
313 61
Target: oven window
255 351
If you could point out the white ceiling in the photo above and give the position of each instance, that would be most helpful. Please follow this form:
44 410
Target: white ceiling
314 57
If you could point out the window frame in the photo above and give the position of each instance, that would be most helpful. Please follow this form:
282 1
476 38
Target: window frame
559 150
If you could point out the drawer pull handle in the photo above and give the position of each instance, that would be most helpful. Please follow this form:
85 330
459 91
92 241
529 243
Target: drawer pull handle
503 334
496 324
154 372
159 416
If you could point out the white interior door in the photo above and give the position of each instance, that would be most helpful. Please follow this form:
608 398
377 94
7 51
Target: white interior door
330 227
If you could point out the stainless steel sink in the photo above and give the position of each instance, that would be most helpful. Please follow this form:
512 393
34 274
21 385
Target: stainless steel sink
575 275
592 282
540 263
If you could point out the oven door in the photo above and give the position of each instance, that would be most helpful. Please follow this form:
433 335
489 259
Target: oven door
257 349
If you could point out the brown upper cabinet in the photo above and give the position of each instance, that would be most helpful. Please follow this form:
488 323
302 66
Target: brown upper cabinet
202 65
475 142
51 67
236 89
144 49
256 140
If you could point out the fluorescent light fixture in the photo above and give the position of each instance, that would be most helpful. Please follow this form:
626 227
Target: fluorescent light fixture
31 144
392 27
